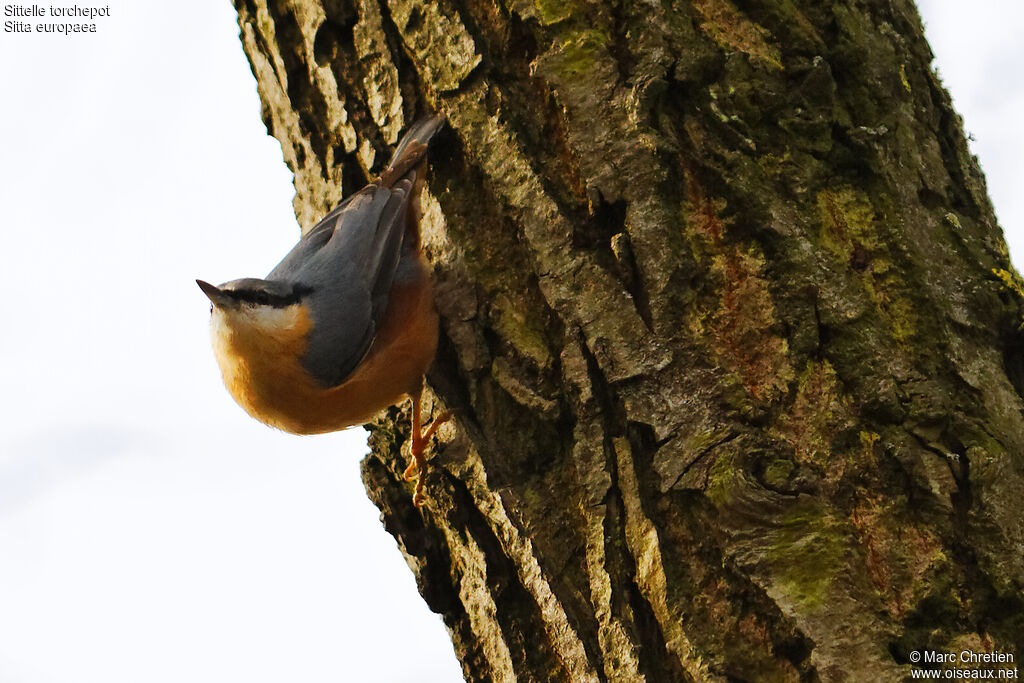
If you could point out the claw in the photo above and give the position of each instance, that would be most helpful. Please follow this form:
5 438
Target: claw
418 467
411 472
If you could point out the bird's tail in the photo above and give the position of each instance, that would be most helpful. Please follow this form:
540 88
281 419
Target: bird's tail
412 148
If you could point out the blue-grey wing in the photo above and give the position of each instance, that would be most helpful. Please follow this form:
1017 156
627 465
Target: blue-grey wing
348 262
313 240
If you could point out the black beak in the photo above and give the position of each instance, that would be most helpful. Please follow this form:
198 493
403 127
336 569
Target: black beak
218 297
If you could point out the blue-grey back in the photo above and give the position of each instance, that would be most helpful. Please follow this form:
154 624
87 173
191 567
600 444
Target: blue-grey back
348 263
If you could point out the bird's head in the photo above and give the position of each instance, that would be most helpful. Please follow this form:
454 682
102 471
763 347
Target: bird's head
251 306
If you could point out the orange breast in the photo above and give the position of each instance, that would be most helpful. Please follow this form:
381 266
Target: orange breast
267 379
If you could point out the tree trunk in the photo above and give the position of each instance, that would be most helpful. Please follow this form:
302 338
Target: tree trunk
729 330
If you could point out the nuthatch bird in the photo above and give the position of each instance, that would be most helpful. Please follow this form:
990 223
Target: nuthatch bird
345 325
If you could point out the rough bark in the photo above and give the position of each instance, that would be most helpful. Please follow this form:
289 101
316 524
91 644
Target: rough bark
729 330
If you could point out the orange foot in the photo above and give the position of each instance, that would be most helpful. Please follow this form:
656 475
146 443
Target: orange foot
418 467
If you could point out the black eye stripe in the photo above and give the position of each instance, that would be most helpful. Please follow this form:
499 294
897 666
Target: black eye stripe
264 298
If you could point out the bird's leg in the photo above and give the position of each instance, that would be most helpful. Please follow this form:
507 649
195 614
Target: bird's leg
417 468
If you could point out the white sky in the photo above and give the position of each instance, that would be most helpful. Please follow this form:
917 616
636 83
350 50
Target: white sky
149 530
